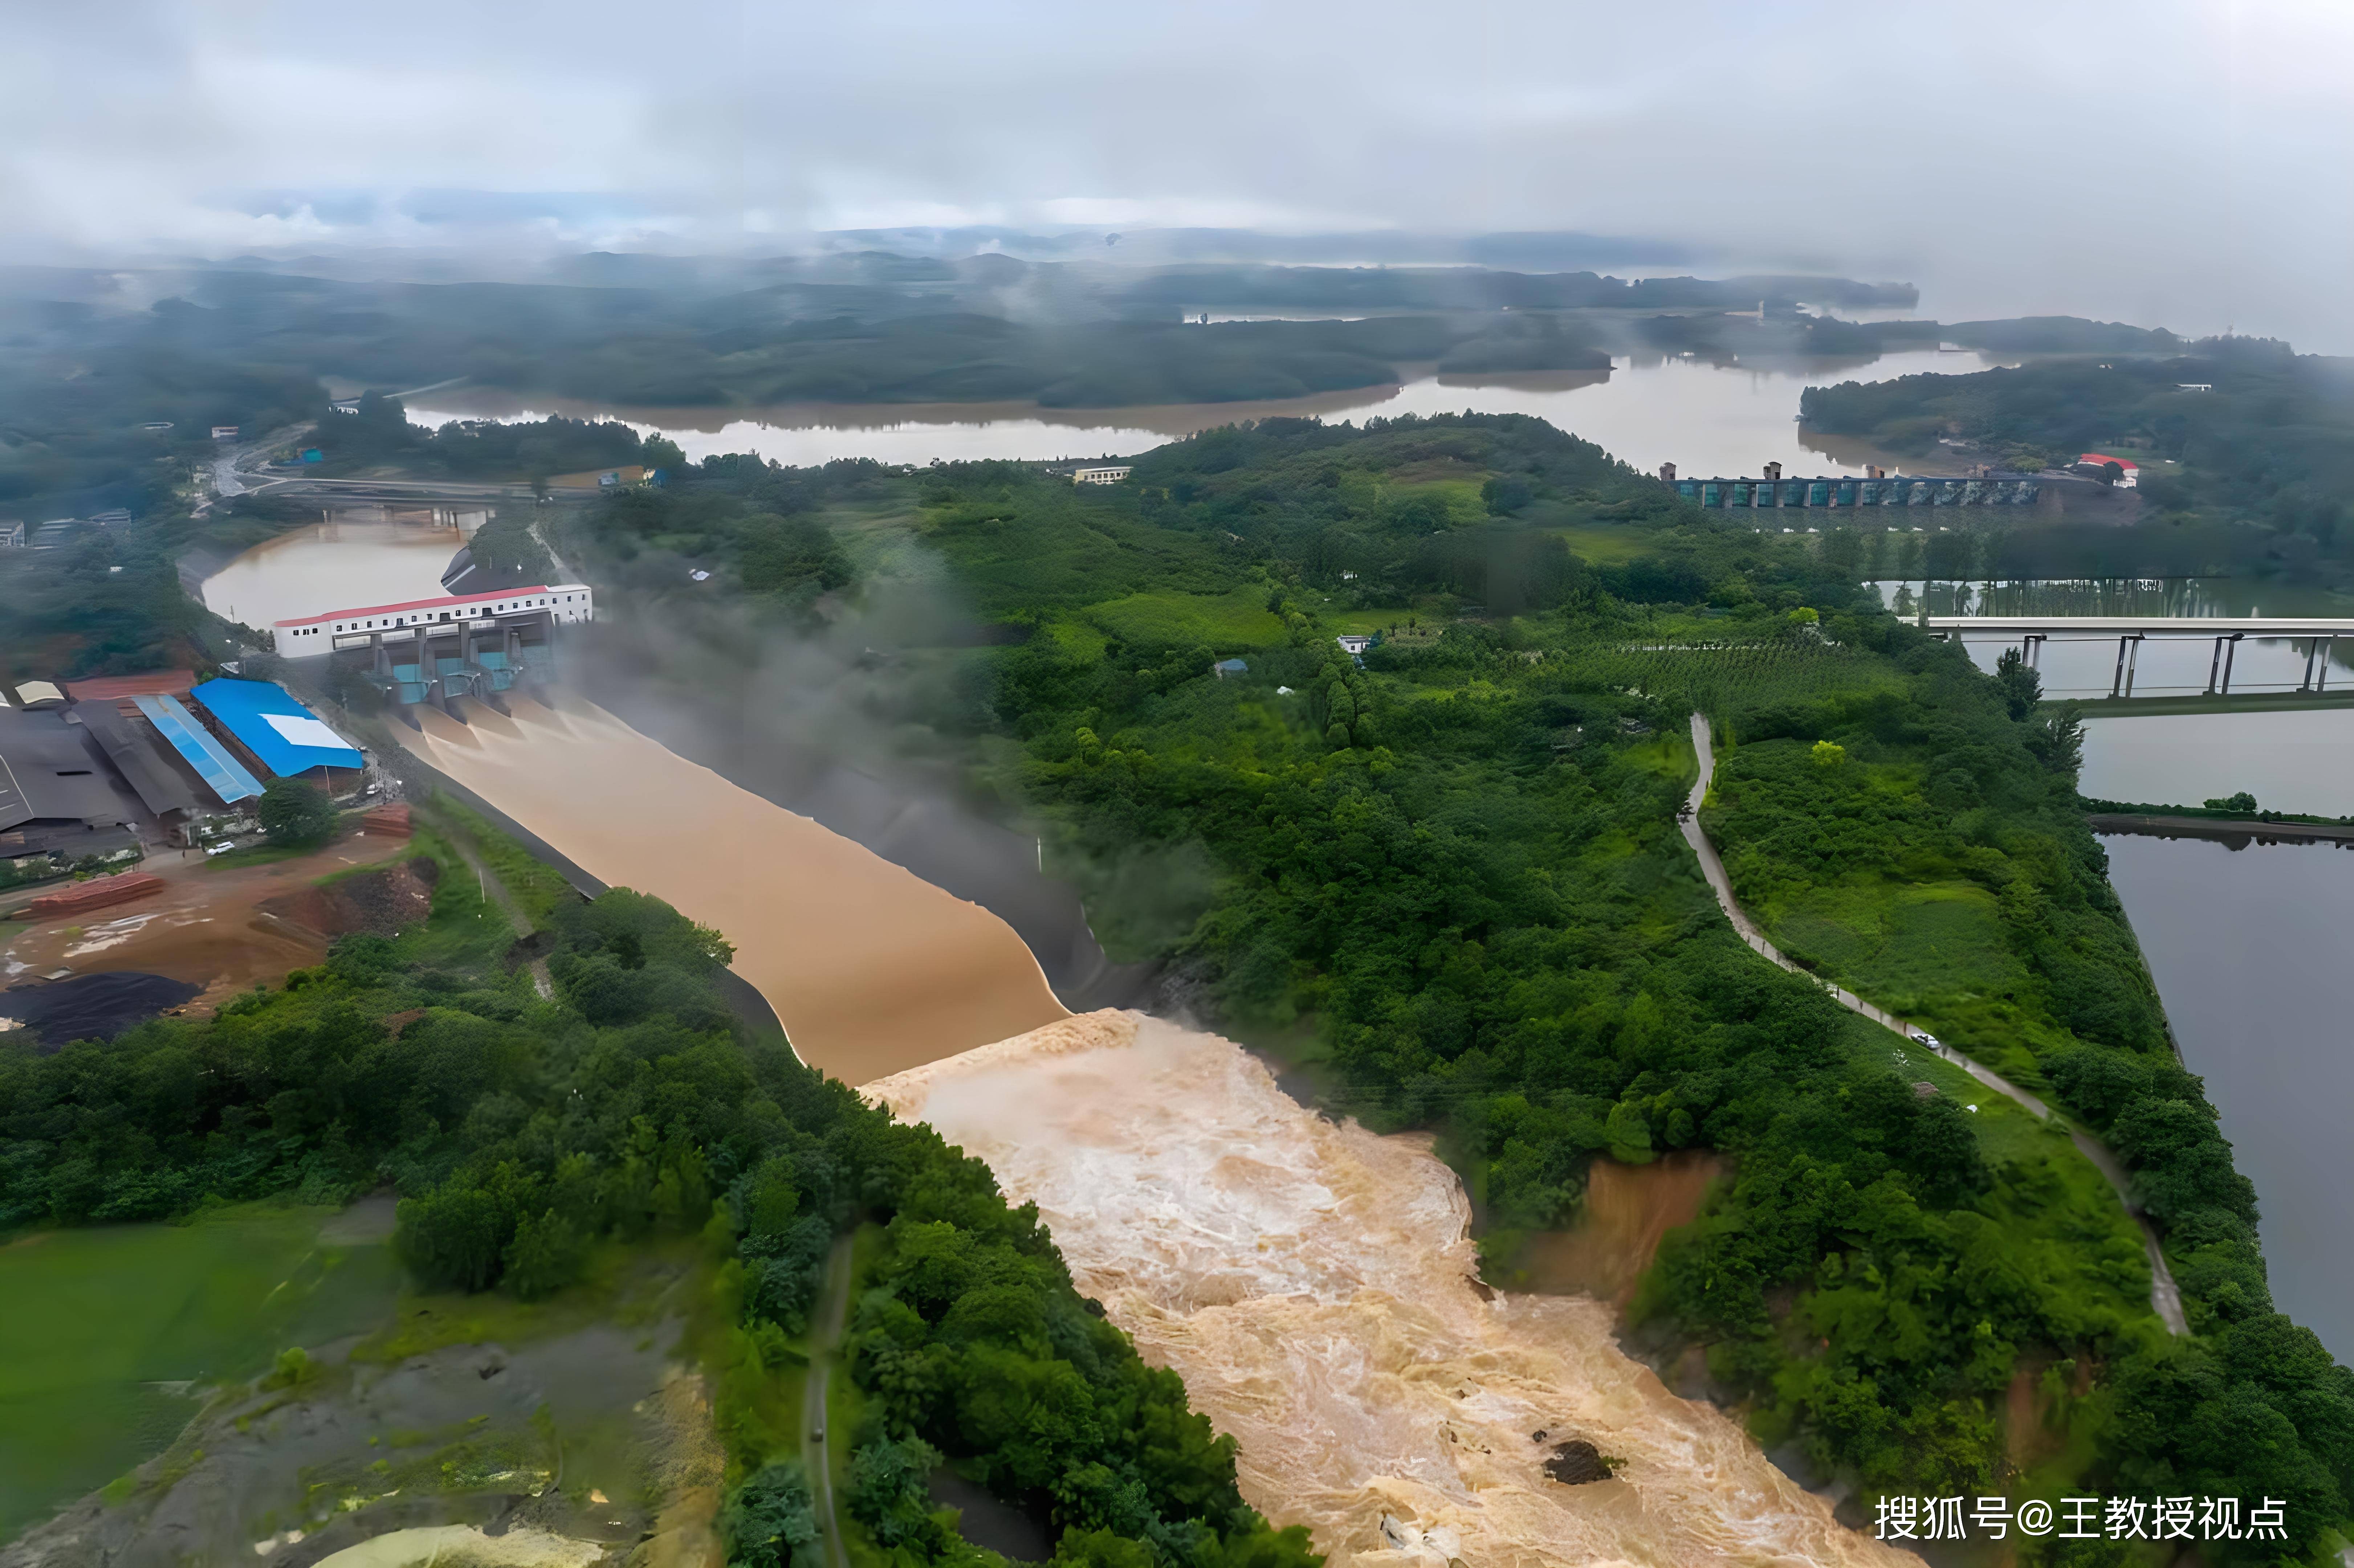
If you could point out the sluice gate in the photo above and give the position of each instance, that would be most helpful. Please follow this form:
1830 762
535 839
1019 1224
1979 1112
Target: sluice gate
1851 494
442 651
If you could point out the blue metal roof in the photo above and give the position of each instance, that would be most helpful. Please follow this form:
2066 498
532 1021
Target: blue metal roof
288 738
224 773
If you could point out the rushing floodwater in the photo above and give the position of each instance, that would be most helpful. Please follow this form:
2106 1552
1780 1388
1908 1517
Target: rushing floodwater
2248 949
1705 417
1313 1284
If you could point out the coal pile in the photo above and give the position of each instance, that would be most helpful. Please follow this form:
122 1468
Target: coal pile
92 1007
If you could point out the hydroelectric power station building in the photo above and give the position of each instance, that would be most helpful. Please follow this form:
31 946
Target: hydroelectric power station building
444 650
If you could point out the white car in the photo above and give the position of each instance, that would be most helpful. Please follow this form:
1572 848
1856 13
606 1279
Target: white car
1931 1041
221 847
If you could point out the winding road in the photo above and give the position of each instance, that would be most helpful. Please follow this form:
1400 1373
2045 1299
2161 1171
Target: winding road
2164 1296
825 1341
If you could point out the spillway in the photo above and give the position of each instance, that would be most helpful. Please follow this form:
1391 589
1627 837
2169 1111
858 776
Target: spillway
871 969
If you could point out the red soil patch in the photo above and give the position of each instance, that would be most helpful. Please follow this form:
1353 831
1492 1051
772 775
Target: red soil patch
381 901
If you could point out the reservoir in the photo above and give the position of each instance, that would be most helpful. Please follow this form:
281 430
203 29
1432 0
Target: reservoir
2248 949
1706 418
337 564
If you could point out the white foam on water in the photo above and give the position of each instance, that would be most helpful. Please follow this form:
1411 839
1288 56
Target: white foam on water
1313 1283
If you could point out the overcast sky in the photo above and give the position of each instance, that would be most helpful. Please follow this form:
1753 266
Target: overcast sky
2184 162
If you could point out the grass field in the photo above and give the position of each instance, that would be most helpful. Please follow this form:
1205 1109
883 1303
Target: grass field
1222 622
112 1332
1905 944
1601 544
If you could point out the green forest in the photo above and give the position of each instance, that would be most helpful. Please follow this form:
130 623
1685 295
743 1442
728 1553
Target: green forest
1448 886
531 1138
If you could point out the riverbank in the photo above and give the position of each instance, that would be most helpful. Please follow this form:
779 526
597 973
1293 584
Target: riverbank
2227 830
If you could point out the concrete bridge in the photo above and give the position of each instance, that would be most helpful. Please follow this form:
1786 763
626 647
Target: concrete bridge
2032 632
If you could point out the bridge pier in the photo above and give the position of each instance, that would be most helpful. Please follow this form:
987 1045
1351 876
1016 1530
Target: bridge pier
2227 652
2316 664
2128 655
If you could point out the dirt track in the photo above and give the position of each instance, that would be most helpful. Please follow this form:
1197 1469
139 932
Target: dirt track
218 927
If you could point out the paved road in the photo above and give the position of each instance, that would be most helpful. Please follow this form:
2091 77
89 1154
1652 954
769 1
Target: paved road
825 1343
2164 1296
231 470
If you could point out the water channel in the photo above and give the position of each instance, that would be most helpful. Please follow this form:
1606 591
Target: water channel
2248 947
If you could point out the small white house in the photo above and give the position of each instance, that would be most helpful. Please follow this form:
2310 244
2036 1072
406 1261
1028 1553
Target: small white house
1108 474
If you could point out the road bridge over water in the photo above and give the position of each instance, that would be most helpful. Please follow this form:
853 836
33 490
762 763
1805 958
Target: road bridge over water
2032 632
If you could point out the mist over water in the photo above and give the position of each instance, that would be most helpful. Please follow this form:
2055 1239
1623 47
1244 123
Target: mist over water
1313 1284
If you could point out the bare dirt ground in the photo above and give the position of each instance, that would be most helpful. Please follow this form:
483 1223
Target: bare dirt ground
218 927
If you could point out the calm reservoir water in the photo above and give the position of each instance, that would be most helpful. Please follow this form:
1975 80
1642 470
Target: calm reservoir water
1703 417
2248 949
332 566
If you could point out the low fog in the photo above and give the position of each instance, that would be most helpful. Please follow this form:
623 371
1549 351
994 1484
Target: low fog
2165 163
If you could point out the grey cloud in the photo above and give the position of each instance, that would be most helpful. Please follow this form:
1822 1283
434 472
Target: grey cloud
2180 163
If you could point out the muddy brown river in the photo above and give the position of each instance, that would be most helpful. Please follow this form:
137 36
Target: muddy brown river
870 968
